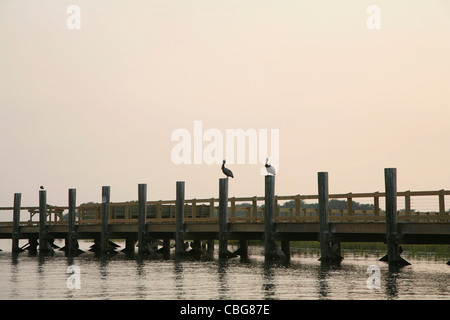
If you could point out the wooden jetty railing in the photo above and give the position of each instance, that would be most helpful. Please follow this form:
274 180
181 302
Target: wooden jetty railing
206 210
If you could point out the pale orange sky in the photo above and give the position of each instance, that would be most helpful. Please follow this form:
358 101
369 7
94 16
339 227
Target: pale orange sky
97 106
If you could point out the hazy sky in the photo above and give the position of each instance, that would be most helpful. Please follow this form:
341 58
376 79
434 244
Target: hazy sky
97 105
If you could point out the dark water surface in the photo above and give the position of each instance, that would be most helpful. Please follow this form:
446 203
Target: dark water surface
123 277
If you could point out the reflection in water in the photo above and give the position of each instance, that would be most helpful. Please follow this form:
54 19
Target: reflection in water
391 283
103 268
222 278
119 277
178 278
268 285
141 287
325 270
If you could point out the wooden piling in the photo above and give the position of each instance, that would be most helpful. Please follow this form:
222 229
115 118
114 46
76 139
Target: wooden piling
223 217
16 219
269 207
179 235
324 231
142 213
392 236
104 242
72 242
44 244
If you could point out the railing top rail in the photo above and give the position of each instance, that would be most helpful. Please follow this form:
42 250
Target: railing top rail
251 199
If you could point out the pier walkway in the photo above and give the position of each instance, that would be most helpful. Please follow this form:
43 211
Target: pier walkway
156 225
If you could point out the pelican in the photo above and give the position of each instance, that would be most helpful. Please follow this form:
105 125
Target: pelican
270 169
226 171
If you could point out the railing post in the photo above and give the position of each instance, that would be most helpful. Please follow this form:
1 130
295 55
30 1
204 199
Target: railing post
297 207
392 236
44 244
233 208
254 213
142 214
441 204
349 206
179 236
223 217
16 219
376 204
407 204
104 243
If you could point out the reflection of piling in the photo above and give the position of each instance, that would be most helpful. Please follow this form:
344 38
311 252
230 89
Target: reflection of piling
16 228
179 233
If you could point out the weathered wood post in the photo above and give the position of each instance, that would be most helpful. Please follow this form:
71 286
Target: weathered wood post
16 219
324 233
72 242
142 213
104 242
44 244
223 217
269 202
392 236
179 235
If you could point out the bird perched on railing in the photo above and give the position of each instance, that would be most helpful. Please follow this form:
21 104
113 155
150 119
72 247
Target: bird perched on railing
270 169
226 171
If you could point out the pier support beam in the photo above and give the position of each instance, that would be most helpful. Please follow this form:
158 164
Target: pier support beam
179 235
392 236
45 245
286 248
130 244
142 213
243 249
210 245
326 251
16 219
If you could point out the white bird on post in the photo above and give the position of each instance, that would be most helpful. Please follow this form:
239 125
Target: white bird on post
270 169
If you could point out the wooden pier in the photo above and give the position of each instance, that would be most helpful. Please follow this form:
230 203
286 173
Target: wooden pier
197 223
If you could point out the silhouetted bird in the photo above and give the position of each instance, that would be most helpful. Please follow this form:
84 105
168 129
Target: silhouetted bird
270 169
226 171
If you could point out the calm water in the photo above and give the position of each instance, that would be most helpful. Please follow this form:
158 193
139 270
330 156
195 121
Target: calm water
122 277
